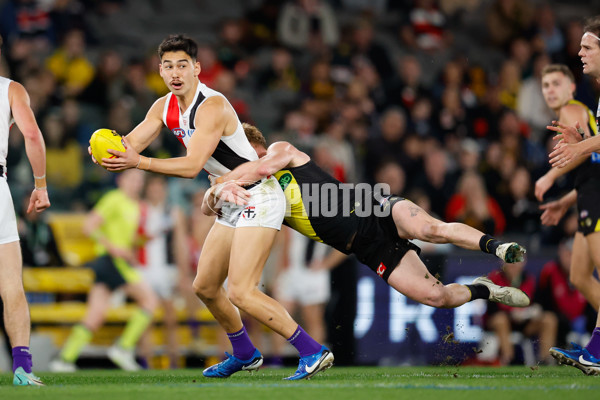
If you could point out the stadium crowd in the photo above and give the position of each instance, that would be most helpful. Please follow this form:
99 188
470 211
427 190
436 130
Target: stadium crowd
441 99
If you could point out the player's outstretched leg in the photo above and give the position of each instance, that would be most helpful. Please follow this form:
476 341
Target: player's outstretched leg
312 364
507 295
232 364
577 357
22 378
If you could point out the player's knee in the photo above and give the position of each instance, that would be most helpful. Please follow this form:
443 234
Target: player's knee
437 298
203 291
238 297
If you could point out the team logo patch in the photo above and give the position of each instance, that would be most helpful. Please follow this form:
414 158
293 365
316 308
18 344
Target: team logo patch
381 269
179 133
583 214
249 212
284 180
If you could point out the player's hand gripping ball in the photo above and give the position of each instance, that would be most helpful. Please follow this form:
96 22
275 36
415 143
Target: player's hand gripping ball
102 140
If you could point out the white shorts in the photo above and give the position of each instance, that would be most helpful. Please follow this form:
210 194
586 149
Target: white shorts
303 286
8 219
162 279
266 208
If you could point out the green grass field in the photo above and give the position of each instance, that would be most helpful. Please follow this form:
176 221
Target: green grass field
413 383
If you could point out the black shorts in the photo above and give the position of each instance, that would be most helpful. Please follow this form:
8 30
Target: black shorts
107 272
588 207
377 244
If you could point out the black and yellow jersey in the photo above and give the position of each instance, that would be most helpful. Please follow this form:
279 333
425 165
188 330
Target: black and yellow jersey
590 168
319 206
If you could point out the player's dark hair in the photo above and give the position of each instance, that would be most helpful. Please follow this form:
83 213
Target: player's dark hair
558 68
593 25
254 135
179 42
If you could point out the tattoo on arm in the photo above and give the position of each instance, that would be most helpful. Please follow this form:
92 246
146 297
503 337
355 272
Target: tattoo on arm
413 211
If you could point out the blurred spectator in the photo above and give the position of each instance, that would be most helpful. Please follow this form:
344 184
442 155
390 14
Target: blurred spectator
210 66
472 205
38 245
521 53
388 144
406 86
365 48
548 30
280 78
484 118
67 15
230 51
519 206
64 161
262 21
421 121
427 27
509 82
26 19
392 174
436 179
320 86
107 85
530 321
340 150
509 19
226 84
531 106
452 116
557 295
136 90
307 25
70 65
153 79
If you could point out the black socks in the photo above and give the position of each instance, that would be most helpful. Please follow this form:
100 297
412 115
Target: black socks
479 291
488 244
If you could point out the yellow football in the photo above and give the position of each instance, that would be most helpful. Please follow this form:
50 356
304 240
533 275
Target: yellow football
104 139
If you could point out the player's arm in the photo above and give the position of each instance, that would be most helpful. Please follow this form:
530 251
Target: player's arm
569 115
146 131
555 210
34 144
231 192
211 120
280 155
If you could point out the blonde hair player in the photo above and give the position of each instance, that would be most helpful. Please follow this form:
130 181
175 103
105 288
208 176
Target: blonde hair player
14 107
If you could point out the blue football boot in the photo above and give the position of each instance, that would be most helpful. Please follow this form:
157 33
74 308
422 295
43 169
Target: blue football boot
232 364
312 364
577 357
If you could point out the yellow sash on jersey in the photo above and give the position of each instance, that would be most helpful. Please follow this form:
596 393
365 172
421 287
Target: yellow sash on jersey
296 216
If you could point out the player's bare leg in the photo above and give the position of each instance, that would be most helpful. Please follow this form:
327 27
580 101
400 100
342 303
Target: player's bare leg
252 246
16 311
581 274
413 222
213 267
412 279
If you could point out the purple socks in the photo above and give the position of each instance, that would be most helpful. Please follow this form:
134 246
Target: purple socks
242 345
302 341
593 345
21 358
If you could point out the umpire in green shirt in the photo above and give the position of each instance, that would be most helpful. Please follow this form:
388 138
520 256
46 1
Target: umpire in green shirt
113 225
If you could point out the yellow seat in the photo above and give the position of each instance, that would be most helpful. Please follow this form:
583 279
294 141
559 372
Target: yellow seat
73 244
